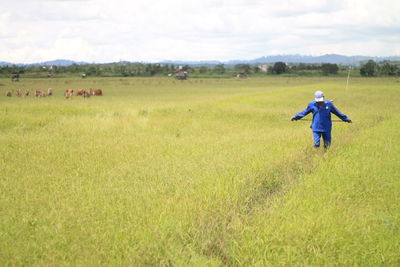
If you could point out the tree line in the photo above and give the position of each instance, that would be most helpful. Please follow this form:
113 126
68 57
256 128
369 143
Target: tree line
370 69
127 69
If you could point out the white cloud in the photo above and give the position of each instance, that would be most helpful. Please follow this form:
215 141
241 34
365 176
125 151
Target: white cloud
104 31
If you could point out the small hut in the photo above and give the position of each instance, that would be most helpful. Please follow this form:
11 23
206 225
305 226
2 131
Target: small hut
180 74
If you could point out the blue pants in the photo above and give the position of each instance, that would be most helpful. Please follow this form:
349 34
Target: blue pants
325 135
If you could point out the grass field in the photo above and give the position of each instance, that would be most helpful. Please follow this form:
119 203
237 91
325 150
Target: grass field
204 172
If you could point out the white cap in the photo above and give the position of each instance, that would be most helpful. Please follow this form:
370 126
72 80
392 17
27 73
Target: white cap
319 96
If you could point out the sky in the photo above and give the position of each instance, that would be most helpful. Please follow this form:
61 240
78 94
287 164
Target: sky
101 31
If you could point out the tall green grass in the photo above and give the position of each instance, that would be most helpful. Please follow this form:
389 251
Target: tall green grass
198 172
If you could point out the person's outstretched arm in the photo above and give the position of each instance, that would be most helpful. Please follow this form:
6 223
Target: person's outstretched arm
301 114
342 116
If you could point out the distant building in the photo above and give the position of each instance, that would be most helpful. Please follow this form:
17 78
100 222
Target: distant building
263 67
180 74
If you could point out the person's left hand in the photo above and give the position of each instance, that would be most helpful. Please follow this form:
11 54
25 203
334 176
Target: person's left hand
349 121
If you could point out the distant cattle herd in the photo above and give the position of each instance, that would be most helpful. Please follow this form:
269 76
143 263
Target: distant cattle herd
82 92
69 93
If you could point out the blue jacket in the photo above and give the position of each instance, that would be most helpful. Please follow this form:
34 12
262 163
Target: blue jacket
321 121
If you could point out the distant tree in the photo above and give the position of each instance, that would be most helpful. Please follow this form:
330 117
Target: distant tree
165 69
302 66
279 68
203 69
148 70
188 69
92 70
219 69
369 69
256 69
328 68
389 69
75 68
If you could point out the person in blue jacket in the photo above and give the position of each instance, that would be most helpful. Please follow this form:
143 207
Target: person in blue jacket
321 122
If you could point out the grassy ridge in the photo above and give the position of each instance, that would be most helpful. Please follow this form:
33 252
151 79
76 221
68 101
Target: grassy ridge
197 172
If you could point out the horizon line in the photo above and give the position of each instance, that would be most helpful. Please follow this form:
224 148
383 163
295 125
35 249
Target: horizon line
193 61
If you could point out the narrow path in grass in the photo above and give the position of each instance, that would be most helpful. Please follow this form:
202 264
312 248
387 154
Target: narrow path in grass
345 212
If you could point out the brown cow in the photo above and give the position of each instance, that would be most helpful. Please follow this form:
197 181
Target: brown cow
96 91
40 93
69 93
27 92
49 91
37 92
80 91
18 92
8 93
86 93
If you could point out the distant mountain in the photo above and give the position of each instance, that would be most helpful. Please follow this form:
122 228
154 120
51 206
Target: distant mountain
3 63
57 62
328 58
192 63
60 62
